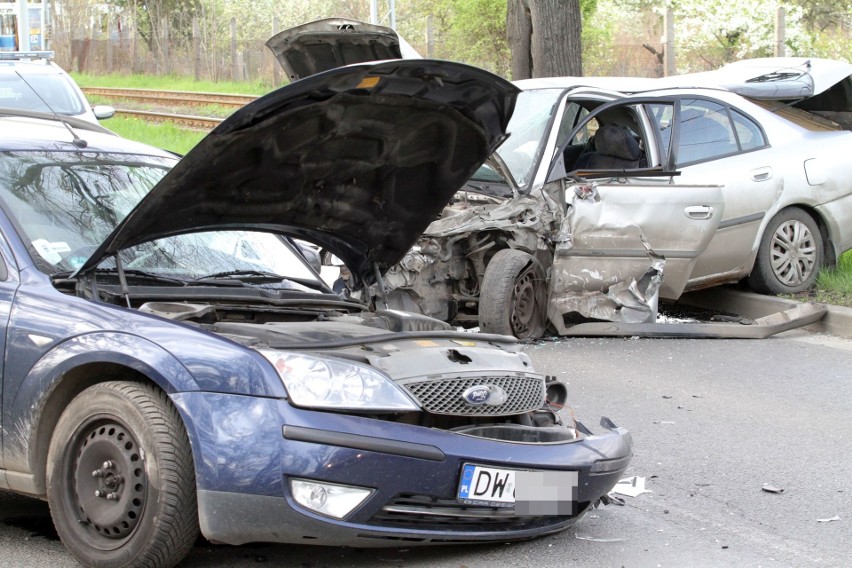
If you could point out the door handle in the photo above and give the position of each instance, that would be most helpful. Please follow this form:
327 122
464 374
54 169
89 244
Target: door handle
699 212
761 174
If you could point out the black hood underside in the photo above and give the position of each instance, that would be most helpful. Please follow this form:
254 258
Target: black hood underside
358 160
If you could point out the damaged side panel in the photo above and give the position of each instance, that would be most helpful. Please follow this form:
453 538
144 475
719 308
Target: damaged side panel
622 236
604 246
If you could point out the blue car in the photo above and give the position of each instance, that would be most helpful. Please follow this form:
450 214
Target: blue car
173 365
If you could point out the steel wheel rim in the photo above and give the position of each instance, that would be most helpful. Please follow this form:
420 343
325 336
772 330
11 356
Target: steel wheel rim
793 253
104 483
525 304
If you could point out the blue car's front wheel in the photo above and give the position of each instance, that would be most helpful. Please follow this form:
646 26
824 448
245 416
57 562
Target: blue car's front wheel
121 483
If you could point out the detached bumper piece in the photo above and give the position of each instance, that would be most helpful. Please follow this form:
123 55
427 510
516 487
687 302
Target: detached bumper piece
760 328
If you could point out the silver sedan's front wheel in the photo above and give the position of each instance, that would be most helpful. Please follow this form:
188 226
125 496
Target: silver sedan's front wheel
790 254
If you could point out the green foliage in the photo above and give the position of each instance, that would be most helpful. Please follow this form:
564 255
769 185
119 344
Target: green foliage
470 31
166 136
170 83
151 14
588 8
477 32
709 33
835 286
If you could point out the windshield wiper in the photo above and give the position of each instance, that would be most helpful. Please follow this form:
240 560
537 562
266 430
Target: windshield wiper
240 274
247 277
129 272
142 274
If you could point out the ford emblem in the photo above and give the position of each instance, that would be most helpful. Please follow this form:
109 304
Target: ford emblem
477 395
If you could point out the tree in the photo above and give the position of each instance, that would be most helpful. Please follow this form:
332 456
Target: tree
544 36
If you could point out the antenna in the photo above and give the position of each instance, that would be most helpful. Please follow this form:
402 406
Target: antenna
77 141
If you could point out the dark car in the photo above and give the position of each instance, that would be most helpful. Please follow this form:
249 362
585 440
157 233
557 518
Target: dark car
172 363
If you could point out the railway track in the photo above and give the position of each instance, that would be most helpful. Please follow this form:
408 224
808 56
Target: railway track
179 98
186 121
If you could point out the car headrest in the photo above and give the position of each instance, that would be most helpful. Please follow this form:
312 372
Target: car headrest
616 141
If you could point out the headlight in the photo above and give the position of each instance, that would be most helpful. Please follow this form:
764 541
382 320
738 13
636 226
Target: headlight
327 383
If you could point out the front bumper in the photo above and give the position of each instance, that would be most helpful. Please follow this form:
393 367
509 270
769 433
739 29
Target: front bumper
246 449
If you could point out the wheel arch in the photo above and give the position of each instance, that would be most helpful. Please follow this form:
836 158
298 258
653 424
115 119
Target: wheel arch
62 374
502 307
66 388
829 254
544 257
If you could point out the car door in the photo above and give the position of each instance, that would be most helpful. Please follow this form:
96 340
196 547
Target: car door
623 222
8 286
715 143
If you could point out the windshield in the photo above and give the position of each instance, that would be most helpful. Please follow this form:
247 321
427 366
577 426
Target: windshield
527 130
54 88
67 203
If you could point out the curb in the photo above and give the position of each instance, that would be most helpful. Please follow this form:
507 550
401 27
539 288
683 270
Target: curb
837 321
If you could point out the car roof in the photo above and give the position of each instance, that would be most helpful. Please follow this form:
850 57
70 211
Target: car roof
21 130
618 84
26 66
761 78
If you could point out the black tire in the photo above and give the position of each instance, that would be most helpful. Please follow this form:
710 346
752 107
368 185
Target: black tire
120 478
790 254
513 300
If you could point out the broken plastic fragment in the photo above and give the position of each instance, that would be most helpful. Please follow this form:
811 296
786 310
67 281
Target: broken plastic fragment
609 499
598 539
769 488
631 486
663 421
834 518
587 191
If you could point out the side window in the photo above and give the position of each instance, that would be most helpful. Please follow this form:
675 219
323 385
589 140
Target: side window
662 116
580 143
748 133
705 132
585 134
569 119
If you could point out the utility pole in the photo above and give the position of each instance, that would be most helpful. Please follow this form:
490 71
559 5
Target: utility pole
23 26
780 33
669 65
374 13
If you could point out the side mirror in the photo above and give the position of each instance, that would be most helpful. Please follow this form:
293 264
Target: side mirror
311 255
103 111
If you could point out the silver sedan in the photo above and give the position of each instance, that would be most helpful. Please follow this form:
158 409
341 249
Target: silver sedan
611 193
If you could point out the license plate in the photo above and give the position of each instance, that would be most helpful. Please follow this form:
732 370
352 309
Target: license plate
487 486
531 493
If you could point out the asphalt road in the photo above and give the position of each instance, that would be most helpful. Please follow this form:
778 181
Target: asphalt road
712 420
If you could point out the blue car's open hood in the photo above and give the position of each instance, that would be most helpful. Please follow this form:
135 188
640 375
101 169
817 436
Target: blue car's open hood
358 160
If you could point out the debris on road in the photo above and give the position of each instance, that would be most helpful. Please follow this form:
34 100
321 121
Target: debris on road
597 539
798 316
834 518
769 488
631 486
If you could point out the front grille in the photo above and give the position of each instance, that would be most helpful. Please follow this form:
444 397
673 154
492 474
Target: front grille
444 396
427 513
